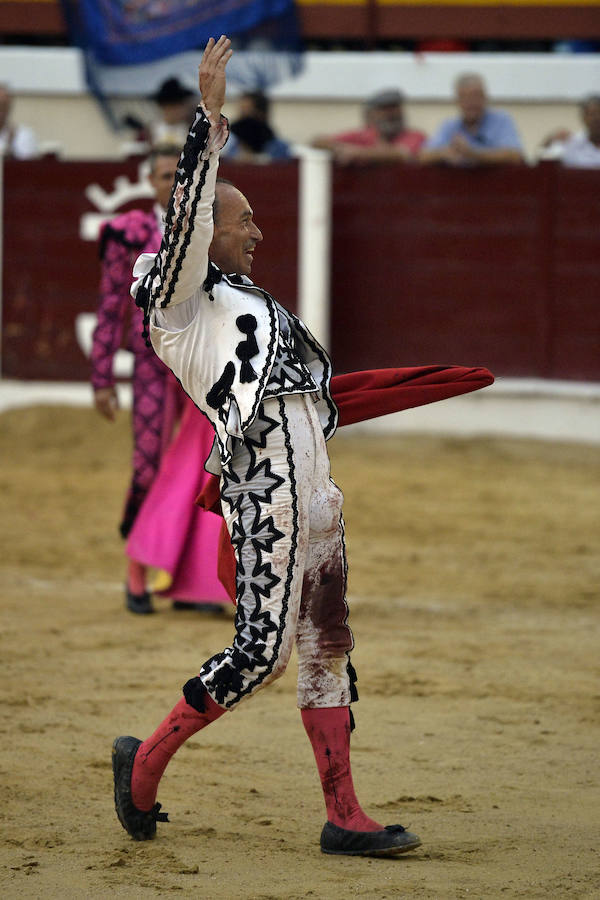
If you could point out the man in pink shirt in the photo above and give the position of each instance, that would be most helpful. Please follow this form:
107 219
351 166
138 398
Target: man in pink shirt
385 137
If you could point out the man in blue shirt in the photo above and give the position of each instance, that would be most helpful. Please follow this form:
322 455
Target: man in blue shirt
479 136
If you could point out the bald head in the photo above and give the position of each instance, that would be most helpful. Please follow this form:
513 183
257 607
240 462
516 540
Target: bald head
235 235
471 97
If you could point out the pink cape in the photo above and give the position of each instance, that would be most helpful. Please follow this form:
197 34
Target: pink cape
172 533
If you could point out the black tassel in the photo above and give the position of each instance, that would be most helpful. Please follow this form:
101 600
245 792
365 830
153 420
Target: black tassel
247 373
245 350
352 722
218 393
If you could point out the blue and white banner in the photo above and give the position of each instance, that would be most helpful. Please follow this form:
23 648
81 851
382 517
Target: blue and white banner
126 32
131 46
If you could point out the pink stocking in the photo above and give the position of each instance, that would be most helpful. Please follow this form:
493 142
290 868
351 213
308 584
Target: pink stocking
153 755
329 733
136 577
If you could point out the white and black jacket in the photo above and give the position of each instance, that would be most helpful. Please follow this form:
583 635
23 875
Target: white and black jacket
218 333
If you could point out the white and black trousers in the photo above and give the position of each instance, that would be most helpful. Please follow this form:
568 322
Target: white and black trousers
284 516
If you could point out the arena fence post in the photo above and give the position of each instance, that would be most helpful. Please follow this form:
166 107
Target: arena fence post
314 241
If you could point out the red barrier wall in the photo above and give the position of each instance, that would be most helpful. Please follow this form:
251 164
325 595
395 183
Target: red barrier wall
51 274
498 267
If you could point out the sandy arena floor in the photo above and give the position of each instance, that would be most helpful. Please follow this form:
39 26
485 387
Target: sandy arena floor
474 574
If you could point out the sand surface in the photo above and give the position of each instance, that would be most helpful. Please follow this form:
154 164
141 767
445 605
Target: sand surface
474 587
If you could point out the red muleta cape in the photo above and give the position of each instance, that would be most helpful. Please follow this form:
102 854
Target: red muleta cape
360 396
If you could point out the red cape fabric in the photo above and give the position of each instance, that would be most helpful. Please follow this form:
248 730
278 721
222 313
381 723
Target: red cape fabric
360 396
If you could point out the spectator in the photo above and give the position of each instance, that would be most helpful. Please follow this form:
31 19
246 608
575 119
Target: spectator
478 136
582 150
255 104
385 137
176 104
251 137
553 145
18 141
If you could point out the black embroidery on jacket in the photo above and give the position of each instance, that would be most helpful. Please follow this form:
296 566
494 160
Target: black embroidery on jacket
311 343
289 375
188 162
245 350
186 218
220 390
213 276
271 348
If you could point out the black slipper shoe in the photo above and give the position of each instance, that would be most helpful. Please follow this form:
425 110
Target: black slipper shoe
138 603
394 839
140 824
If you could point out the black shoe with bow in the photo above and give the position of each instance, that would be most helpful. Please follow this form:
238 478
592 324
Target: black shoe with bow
139 824
394 839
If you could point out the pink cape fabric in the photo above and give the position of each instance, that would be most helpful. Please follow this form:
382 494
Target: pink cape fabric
170 531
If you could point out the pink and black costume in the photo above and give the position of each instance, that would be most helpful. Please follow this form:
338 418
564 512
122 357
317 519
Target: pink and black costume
121 242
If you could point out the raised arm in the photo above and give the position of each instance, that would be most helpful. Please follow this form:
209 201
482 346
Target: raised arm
179 269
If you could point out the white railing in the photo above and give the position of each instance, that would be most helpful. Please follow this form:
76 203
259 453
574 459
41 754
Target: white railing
314 241
522 77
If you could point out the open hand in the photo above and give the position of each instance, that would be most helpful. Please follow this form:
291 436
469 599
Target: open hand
211 74
106 402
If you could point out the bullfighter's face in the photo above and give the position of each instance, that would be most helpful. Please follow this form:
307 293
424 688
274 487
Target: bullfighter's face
235 233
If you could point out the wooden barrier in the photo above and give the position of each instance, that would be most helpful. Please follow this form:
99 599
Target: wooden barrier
497 267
